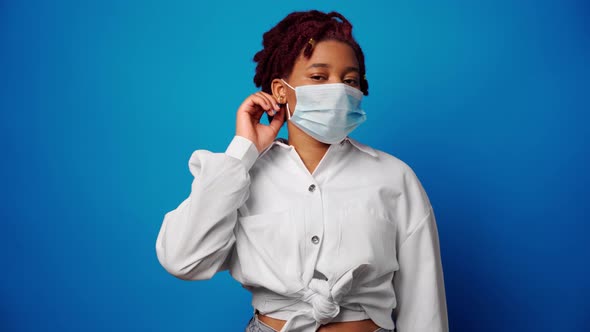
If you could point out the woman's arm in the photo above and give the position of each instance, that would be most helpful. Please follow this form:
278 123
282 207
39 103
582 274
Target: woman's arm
196 239
419 283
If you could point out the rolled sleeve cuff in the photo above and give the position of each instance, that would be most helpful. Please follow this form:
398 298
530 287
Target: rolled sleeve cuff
243 149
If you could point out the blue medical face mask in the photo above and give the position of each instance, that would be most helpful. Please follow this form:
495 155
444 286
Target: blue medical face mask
327 112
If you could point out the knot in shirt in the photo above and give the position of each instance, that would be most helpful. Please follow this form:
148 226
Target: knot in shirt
319 296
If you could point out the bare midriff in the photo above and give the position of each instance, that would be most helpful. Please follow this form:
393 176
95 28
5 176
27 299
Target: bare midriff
365 325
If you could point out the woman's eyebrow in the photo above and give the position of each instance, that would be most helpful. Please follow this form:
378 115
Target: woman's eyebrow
325 65
349 69
319 65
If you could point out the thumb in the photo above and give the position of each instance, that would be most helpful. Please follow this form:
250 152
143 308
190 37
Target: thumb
277 120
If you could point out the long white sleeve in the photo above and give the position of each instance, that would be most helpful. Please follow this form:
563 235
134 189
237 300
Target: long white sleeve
419 283
197 238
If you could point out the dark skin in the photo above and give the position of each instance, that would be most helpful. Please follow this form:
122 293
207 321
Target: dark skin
331 62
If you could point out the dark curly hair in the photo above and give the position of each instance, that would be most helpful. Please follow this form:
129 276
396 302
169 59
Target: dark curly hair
283 43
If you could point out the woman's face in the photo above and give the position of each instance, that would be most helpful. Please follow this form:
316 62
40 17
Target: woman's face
331 62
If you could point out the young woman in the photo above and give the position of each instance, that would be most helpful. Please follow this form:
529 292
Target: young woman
327 233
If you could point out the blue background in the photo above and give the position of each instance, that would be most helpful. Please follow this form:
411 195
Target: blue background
102 104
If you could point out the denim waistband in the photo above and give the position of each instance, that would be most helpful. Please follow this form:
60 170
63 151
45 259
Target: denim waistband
256 325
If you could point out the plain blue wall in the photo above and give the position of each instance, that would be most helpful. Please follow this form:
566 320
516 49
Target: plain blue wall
102 104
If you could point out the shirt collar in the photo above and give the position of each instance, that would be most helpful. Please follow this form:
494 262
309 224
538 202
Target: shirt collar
360 146
283 143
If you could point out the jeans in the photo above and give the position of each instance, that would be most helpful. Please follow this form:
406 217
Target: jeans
255 325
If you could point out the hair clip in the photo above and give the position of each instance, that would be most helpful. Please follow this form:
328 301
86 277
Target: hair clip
311 42
365 77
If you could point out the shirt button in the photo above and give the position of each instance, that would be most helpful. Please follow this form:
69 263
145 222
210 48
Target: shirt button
315 239
311 188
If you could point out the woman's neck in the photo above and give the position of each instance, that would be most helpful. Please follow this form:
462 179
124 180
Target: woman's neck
309 150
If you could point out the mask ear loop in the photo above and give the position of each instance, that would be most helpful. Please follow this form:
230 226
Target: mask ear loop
288 110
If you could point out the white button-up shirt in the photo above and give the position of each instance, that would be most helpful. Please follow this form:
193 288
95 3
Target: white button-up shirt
356 239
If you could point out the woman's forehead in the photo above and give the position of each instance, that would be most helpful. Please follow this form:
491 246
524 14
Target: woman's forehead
329 54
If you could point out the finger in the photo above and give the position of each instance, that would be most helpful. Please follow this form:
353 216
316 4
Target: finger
257 106
278 120
262 101
271 100
266 103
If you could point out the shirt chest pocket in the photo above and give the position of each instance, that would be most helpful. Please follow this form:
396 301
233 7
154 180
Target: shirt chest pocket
268 245
367 236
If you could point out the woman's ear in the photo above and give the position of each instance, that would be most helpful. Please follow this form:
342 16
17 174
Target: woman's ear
278 90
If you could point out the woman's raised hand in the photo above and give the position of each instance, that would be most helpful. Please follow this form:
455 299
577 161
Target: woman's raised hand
248 119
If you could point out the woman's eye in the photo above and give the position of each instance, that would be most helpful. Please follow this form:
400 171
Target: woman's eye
317 77
351 81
